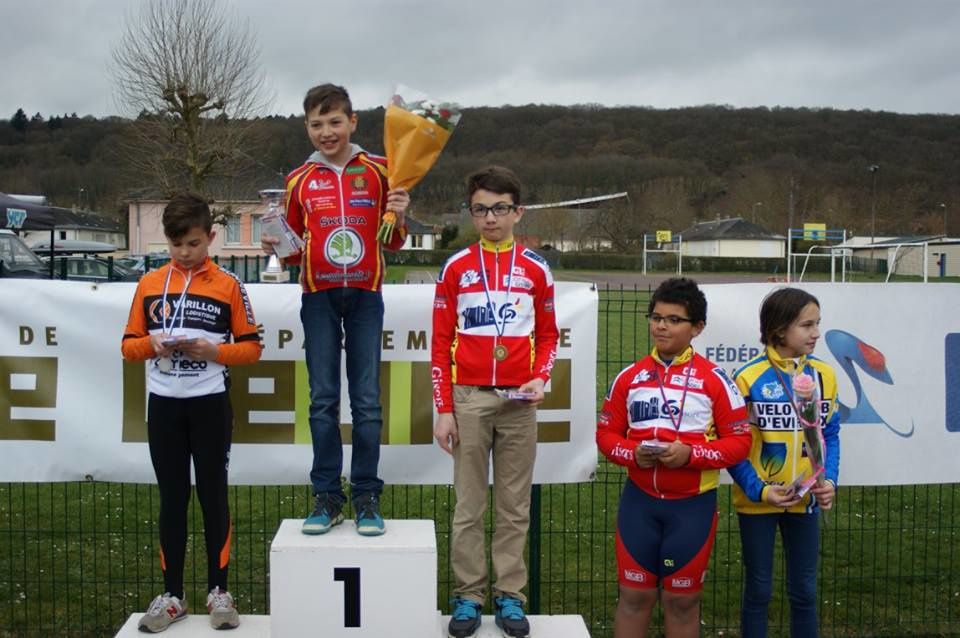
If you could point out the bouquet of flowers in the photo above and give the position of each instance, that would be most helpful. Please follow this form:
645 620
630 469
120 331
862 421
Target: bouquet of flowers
806 402
415 130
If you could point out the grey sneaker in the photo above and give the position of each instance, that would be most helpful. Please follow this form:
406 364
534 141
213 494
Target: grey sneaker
162 612
222 609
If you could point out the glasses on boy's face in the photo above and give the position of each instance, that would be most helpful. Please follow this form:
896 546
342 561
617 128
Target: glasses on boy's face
670 320
500 209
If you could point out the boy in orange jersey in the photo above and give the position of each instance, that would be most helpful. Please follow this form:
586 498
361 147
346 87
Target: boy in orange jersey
191 319
335 201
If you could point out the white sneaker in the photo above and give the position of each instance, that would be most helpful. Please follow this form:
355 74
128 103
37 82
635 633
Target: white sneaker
162 612
222 609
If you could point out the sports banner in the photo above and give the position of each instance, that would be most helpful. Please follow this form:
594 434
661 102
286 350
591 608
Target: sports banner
72 409
896 353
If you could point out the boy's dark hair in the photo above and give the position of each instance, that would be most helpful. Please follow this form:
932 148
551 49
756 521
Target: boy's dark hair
186 211
496 179
328 97
683 292
779 309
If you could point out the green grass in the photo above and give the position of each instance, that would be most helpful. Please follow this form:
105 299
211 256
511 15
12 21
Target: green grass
77 558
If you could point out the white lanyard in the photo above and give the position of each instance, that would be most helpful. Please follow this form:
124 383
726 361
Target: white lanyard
179 309
500 327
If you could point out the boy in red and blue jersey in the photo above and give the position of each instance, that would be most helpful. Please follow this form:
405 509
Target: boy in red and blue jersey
673 419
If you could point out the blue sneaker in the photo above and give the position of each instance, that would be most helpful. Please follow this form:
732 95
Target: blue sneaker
510 618
327 512
464 619
369 520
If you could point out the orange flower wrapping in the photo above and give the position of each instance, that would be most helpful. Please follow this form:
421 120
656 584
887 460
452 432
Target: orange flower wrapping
414 134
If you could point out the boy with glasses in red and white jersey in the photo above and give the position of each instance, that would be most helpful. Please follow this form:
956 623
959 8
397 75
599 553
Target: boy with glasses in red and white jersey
673 419
494 343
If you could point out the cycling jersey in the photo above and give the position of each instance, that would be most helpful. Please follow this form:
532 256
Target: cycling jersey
474 312
337 211
777 453
215 307
645 400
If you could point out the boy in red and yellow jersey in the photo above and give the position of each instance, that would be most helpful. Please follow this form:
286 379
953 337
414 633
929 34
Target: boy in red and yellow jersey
673 419
191 320
494 331
335 202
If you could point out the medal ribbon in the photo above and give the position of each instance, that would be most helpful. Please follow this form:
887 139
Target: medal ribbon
500 328
683 398
179 309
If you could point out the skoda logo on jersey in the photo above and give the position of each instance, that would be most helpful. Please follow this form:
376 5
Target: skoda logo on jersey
772 391
343 247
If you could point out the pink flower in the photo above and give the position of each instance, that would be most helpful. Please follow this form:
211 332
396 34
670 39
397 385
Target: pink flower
804 386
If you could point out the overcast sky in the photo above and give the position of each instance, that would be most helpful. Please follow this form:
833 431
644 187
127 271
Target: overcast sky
895 56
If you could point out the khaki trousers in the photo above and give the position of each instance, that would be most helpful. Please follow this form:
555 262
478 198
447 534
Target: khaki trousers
508 429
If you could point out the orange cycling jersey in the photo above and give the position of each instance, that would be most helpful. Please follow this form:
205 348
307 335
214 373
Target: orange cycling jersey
206 302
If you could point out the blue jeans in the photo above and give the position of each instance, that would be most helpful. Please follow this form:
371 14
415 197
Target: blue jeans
801 545
328 316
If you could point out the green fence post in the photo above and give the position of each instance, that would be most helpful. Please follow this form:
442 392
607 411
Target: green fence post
534 586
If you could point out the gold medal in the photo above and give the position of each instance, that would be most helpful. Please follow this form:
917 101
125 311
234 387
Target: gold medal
500 352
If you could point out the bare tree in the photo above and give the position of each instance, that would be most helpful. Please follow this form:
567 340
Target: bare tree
190 74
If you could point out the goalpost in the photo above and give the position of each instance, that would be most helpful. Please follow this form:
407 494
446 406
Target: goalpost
831 251
908 258
660 239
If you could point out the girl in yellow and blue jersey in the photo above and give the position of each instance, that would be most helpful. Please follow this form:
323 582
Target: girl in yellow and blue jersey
764 490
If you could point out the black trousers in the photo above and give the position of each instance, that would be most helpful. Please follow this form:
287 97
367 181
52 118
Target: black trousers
179 430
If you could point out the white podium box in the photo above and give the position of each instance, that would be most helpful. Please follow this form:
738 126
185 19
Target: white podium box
344 584
199 625
571 626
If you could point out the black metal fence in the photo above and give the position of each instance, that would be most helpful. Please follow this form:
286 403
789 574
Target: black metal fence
77 558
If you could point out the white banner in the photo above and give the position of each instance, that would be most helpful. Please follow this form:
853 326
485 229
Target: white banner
896 352
71 409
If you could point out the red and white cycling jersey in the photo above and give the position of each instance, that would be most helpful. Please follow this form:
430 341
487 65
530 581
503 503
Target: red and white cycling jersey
337 211
467 324
713 422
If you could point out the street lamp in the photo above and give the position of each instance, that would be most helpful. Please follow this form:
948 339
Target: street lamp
755 206
873 168
943 207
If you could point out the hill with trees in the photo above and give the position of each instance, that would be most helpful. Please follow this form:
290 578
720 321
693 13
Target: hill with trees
678 165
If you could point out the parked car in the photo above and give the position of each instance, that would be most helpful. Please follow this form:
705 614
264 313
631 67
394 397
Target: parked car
138 263
71 247
92 268
17 260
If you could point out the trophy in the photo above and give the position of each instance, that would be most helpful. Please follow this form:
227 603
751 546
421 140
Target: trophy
274 224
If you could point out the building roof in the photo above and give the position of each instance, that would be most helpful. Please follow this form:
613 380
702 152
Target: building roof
417 227
908 239
732 228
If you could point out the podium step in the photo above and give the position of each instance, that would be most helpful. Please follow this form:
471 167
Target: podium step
571 626
259 627
341 583
199 625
